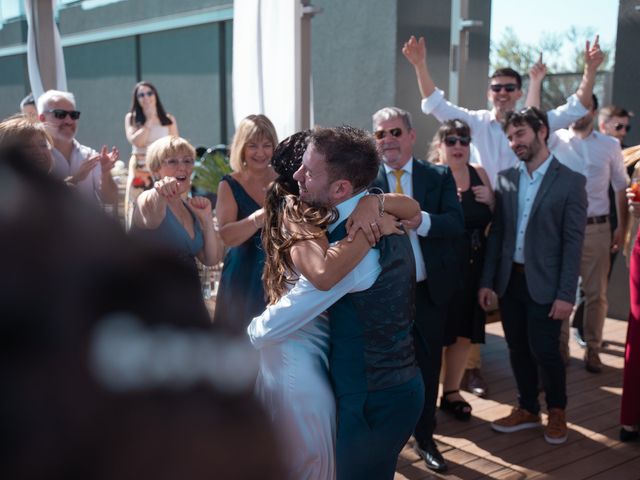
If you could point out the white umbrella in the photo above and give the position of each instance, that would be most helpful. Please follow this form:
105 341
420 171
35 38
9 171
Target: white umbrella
271 62
45 59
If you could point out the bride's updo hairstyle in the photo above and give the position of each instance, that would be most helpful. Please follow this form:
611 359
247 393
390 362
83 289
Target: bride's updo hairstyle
286 217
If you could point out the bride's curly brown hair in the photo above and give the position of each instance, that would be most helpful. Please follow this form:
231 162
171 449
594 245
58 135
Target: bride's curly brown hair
283 207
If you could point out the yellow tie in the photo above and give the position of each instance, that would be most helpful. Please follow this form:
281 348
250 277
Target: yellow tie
398 175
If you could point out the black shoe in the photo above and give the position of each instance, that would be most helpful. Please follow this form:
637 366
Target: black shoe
473 382
628 435
431 456
580 339
460 409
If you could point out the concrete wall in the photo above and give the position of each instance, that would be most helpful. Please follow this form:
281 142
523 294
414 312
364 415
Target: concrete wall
358 66
431 19
353 60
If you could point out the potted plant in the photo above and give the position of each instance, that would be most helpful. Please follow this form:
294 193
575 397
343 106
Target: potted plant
209 169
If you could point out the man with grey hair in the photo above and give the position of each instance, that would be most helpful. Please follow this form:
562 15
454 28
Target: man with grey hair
432 234
73 162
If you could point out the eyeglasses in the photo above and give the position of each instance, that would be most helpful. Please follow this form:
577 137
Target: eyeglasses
62 114
620 126
380 134
509 87
451 140
174 162
148 94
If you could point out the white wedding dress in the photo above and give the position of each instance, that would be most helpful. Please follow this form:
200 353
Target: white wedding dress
293 385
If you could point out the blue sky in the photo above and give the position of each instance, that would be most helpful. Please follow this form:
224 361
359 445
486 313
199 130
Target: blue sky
531 19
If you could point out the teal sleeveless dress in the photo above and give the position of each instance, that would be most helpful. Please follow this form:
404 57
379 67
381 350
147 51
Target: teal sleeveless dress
240 293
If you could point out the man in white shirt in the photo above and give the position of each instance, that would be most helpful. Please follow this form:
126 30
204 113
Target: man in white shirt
505 89
598 157
73 162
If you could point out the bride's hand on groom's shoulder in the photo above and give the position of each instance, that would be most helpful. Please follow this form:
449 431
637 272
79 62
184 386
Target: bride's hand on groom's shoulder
365 217
390 225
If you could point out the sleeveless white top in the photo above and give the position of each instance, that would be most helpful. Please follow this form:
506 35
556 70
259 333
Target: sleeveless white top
156 132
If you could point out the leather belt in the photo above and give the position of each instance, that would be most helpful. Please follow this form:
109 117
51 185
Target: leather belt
599 219
518 267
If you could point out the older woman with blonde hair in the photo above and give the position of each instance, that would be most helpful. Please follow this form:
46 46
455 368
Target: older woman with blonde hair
166 214
20 133
240 215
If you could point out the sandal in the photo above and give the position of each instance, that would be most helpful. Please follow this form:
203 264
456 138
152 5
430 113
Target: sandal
458 408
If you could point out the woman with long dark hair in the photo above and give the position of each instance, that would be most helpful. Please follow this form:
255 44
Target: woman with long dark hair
146 122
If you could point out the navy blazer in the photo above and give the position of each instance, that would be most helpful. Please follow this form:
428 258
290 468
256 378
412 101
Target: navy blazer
435 190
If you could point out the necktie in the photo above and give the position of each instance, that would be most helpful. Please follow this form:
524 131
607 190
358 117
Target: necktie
398 175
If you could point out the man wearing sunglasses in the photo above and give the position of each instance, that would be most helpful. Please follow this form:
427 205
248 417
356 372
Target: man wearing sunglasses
432 234
505 89
598 157
89 171
614 121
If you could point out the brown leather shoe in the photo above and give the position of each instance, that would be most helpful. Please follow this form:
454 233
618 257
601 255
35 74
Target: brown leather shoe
592 361
518 419
473 382
556 431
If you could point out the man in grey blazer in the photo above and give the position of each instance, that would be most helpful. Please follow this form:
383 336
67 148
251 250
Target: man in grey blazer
532 263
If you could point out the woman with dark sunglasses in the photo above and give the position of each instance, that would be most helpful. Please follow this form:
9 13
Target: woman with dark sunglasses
146 122
465 319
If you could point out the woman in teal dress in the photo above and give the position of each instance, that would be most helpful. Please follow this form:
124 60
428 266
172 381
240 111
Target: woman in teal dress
240 215
166 216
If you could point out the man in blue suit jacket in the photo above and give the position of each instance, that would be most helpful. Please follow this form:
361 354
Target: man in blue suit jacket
532 262
432 235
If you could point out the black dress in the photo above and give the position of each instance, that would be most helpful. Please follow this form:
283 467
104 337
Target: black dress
465 318
240 294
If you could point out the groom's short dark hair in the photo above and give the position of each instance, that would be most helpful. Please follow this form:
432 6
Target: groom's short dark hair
350 153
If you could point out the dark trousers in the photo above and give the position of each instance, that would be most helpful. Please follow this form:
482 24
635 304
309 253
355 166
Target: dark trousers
373 427
428 336
534 340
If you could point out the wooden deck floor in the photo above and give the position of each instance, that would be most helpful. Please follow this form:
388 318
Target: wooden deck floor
593 450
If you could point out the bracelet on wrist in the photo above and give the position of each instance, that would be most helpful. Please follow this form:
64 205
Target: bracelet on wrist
380 196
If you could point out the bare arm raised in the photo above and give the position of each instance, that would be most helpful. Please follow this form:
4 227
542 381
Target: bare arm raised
415 51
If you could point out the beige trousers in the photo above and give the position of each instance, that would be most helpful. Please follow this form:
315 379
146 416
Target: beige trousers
594 269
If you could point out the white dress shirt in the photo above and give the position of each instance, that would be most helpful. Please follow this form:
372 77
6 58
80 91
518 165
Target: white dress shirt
489 139
527 191
423 229
304 302
90 186
599 158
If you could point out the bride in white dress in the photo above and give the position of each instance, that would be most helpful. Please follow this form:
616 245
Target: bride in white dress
293 380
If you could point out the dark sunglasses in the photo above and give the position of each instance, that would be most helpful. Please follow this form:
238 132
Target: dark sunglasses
395 132
451 140
61 114
509 87
148 94
620 126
